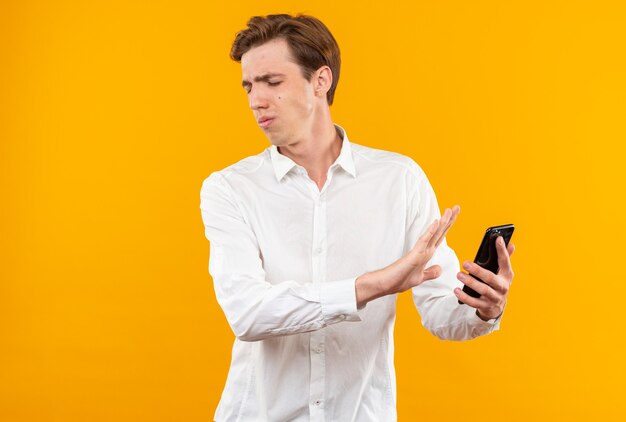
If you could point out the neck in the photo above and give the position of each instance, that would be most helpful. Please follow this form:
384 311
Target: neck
317 153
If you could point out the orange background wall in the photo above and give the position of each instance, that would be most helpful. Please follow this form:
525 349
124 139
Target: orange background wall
112 113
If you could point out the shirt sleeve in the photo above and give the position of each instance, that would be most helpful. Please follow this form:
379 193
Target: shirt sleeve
440 312
255 308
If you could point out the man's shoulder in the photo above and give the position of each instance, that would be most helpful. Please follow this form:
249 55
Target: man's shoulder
245 167
394 161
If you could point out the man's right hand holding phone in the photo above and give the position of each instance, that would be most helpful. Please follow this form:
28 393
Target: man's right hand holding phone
495 288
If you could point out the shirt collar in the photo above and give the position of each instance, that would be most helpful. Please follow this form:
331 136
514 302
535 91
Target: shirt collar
283 164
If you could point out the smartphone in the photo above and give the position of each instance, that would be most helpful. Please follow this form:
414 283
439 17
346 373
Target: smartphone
487 255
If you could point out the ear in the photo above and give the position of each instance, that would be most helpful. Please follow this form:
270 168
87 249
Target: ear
322 80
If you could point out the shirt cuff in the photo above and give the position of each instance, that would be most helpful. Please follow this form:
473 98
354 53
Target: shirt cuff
338 300
481 327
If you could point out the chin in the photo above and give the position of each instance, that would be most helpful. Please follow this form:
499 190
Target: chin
274 140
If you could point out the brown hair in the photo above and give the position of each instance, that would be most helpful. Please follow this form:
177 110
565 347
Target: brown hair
309 40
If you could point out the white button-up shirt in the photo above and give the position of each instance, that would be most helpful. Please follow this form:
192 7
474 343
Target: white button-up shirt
284 260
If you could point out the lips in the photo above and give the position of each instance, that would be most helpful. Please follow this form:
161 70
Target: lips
265 121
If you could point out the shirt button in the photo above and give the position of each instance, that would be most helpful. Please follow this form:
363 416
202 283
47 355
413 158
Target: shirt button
318 251
317 402
319 349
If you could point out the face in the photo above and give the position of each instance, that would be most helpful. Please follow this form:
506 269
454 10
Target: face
285 105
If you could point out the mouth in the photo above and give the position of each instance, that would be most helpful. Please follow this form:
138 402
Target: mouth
264 122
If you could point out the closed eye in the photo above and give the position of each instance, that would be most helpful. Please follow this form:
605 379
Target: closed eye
267 78
248 87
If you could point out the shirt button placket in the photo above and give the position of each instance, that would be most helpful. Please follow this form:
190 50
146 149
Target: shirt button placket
318 357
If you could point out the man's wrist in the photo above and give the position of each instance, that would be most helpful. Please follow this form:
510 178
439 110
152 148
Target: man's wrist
368 287
485 318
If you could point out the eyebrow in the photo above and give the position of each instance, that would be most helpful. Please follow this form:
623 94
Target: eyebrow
261 78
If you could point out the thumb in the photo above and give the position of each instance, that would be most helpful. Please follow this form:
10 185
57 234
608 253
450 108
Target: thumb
432 272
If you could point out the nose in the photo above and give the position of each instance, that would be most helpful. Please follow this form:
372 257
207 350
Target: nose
257 98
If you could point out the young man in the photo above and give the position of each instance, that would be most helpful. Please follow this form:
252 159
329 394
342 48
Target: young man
312 240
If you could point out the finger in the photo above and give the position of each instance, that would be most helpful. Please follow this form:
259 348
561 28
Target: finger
504 263
485 275
445 219
432 272
510 249
483 289
474 302
455 212
424 239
